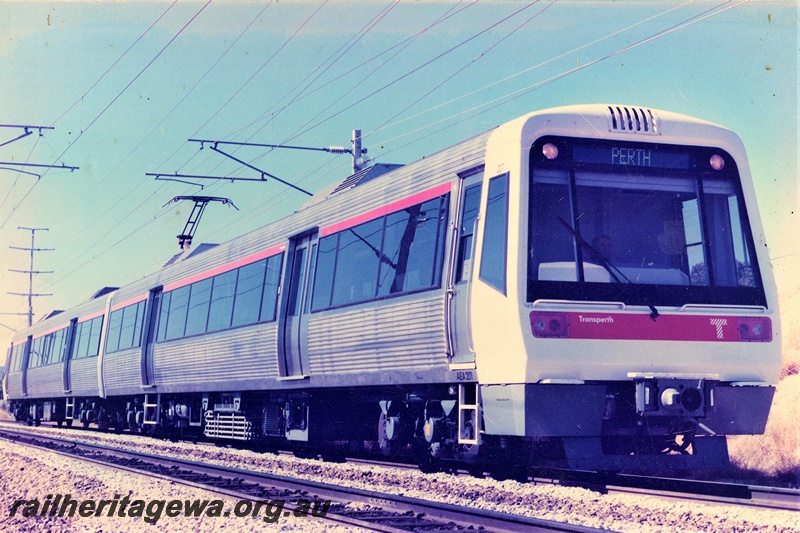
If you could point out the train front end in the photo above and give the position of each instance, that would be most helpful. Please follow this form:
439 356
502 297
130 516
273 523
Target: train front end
624 312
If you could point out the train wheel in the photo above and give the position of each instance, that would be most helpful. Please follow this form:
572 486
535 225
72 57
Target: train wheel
387 446
102 420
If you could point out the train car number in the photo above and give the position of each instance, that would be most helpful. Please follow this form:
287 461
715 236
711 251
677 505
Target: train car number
466 375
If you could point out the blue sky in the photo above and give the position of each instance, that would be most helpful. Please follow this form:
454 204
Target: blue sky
415 77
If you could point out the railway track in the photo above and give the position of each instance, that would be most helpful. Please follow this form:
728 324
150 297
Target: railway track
383 512
683 489
746 495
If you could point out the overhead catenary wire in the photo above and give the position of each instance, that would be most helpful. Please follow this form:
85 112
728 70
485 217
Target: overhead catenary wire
305 128
238 90
281 197
362 32
330 62
478 109
120 58
161 122
467 65
300 130
263 65
404 43
529 69
525 90
91 87
112 102
112 228
516 94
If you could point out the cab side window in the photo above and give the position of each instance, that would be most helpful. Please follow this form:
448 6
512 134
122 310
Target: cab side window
495 235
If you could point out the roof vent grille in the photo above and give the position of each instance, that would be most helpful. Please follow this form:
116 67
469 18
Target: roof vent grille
633 120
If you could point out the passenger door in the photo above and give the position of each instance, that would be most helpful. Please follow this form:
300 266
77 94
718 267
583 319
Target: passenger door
460 275
149 336
25 362
293 348
68 354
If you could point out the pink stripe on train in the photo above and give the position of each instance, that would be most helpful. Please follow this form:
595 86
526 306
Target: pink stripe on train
629 326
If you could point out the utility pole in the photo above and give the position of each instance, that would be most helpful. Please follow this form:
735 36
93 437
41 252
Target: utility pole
33 249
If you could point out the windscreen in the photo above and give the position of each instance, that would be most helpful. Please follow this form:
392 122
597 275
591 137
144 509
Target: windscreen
638 223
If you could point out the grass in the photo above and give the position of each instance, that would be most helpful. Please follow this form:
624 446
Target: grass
776 453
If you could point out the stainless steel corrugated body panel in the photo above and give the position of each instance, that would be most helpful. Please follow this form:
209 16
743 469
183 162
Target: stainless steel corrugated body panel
122 369
15 385
43 381
83 376
382 336
235 355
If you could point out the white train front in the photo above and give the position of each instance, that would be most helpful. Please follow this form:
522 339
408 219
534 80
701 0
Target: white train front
585 286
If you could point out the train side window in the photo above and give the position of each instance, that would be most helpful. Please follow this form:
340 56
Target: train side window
20 355
114 330
131 321
222 301
162 316
199 300
247 302
13 364
411 248
136 341
495 235
88 338
18 352
59 345
394 254
323 275
47 347
357 263
96 325
272 282
176 318
469 213
312 267
35 358
83 329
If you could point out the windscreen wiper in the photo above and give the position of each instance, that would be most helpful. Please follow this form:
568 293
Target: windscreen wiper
605 263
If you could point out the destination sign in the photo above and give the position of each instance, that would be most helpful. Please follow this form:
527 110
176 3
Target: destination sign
631 156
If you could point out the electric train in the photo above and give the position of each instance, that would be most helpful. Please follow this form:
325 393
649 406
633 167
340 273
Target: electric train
585 286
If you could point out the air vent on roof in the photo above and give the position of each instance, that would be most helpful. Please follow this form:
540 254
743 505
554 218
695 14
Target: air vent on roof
365 175
51 314
352 180
633 120
189 252
103 292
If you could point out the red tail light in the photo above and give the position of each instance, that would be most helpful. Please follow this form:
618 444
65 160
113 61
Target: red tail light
754 329
545 325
